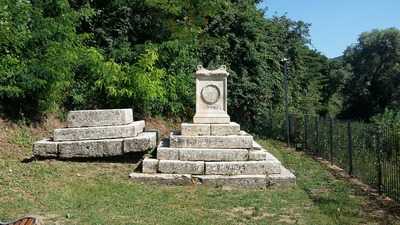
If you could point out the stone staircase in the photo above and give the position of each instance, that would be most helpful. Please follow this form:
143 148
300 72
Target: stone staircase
223 156
97 133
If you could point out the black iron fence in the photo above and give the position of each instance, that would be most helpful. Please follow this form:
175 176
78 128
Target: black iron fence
366 151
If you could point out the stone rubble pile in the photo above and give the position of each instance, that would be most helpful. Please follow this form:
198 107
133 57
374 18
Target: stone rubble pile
212 151
97 133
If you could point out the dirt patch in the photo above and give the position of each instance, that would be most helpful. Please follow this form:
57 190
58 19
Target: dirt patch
16 139
164 126
381 207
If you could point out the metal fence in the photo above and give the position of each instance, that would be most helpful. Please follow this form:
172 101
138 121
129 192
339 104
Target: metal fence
366 151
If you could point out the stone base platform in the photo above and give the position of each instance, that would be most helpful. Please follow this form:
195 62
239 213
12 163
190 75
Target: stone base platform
95 148
241 141
285 177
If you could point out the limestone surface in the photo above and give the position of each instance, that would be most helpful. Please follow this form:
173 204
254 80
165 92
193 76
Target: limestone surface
285 177
163 179
193 154
96 118
225 129
96 133
181 167
150 165
211 96
242 168
230 142
194 129
90 148
45 148
257 155
256 146
218 181
144 141
166 153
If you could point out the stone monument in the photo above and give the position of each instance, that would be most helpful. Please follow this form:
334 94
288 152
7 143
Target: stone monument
212 150
97 133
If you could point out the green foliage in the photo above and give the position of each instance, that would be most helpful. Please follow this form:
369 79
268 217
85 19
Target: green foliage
389 118
374 84
142 54
140 83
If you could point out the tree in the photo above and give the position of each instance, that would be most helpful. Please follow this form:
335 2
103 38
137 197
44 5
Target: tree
375 80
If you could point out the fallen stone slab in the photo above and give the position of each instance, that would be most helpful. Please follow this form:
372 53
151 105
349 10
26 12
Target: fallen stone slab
102 117
242 141
45 148
195 129
242 168
285 177
163 179
202 154
143 142
97 133
181 167
238 181
90 148
225 129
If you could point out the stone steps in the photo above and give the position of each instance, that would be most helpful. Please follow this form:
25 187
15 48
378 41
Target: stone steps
193 129
242 141
285 177
211 168
164 152
95 148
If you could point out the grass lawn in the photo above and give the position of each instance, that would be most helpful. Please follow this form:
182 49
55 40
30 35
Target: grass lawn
101 193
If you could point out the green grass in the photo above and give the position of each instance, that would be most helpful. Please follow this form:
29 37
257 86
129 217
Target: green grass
101 193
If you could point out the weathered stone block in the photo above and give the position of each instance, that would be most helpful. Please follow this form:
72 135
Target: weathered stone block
90 148
166 153
164 179
257 155
240 181
211 96
242 168
45 148
96 133
96 118
200 154
191 129
150 165
214 119
181 167
225 129
256 146
285 177
233 141
270 157
143 142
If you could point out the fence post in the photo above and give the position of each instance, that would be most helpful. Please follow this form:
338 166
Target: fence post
305 132
316 150
379 161
331 140
350 147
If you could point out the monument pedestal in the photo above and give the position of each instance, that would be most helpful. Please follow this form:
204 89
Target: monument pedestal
212 150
